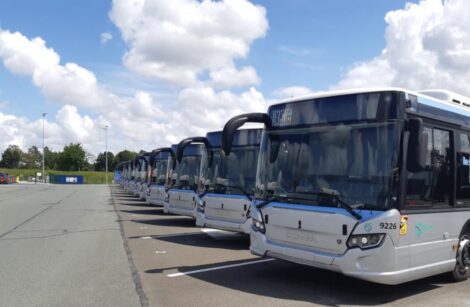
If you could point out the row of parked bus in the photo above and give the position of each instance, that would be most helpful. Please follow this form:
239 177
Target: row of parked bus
374 184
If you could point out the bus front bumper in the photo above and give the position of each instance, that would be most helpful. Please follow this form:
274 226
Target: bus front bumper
203 221
179 211
380 265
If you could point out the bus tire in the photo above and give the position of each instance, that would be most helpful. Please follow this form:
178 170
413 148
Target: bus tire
461 271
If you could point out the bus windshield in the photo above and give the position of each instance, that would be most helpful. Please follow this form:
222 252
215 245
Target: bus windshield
186 175
160 171
232 174
357 160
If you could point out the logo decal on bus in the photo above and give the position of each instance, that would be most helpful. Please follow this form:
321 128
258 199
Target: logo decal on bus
421 228
368 227
403 225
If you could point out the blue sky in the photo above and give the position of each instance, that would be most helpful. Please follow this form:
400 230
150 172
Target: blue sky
180 68
308 43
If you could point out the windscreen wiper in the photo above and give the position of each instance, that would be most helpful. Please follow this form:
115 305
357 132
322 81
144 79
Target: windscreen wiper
245 193
336 195
241 190
275 198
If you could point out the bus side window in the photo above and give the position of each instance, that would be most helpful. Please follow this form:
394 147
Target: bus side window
463 171
431 187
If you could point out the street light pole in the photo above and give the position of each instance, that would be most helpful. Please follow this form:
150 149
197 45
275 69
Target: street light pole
106 151
43 148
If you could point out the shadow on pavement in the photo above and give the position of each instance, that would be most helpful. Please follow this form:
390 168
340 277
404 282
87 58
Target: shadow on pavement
171 222
200 239
290 281
148 211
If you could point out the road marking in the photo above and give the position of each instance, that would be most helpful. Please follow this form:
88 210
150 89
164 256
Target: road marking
160 252
219 268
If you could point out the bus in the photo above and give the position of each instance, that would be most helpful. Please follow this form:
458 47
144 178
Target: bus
160 159
119 173
130 180
141 174
145 176
182 190
227 182
371 183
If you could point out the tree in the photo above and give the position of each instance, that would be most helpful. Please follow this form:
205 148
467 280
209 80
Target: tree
123 156
50 158
11 157
32 158
100 164
72 158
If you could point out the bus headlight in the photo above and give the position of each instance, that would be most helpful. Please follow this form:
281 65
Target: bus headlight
258 225
167 197
366 241
200 205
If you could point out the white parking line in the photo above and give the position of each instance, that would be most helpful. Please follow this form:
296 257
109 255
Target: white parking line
219 267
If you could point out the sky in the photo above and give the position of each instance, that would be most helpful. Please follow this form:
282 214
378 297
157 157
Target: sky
156 71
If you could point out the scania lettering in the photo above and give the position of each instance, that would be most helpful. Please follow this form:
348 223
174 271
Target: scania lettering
374 184
227 182
160 160
182 192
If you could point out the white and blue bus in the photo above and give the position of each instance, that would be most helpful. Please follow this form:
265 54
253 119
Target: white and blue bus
119 173
141 163
184 178
130 180
227 182
374 184
159 159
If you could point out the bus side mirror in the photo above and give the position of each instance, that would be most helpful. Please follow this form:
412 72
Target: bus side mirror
417 145
199 139
275 146
236 122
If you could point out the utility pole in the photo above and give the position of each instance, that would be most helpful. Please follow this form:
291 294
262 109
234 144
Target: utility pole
105 128
43 148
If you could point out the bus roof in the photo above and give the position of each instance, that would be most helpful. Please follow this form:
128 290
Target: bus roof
436 98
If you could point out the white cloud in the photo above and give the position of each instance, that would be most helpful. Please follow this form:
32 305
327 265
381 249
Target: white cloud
105 37
69 126
292 91
231 77
136 122
68 84
427 46
177 41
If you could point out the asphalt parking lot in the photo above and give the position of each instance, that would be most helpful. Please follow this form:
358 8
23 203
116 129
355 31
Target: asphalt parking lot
97 246
178 264
61 246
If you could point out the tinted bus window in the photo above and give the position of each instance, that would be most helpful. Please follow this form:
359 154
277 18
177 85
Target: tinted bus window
463 171
431 187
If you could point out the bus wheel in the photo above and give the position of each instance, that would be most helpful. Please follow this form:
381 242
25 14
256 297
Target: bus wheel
462 268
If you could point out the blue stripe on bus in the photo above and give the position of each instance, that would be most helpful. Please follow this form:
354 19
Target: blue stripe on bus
233 196
181 191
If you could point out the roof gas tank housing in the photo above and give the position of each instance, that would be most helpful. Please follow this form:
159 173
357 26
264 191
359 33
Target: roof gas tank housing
447 96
